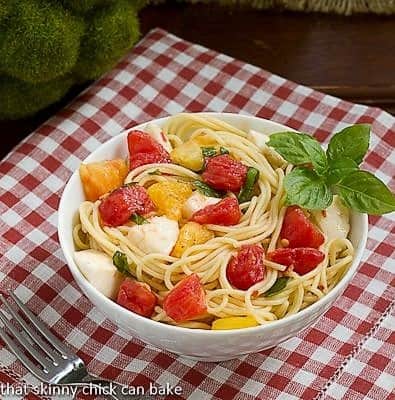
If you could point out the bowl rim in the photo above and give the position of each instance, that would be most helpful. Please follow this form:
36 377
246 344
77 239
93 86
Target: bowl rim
167 328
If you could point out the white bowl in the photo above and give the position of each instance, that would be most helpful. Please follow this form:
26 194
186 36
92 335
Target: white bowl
197 343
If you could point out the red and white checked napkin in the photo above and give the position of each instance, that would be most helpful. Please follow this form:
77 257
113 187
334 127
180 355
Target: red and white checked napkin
348 354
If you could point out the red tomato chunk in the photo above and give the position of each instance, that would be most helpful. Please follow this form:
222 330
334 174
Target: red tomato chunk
143 149
187 300
246 268
226 212
302 260
137 297
299 230
118 206
224 173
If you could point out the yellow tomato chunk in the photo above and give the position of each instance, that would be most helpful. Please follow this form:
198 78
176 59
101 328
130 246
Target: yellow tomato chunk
169 197
204 140
234 323
188 155
191 234
99 178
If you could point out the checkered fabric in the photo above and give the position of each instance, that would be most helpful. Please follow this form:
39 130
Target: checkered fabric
347 354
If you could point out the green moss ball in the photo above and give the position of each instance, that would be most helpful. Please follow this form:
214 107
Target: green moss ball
110 33
19 99
83 6
4 10
41 41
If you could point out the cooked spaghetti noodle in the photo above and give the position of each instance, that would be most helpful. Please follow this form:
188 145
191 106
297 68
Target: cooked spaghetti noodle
260 223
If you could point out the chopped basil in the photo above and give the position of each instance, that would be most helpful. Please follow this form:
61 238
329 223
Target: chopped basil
138 219
120 261
248 188
205 189
155 172
209 151
278 286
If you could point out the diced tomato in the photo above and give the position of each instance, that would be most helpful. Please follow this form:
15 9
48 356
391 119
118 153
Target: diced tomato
302 259
226 212
299 230
143 149
137 297
224 173
119 205
187 300
246 268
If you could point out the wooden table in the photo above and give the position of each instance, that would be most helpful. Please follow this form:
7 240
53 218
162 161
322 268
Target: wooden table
350 57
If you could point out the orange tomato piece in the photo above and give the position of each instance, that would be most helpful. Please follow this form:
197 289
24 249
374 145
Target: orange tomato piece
99 178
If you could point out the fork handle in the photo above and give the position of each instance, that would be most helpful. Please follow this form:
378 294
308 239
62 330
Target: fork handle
115 390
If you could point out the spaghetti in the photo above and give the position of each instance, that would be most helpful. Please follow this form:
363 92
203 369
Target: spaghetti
260 224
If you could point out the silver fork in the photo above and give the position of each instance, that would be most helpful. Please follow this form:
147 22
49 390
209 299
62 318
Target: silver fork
46 357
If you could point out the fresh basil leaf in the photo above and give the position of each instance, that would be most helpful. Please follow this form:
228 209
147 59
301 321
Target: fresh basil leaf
316 153
248 187
299 148
351 142
279 285
120 261
223 150
363 192
209 151
139 219
306 189
290 146
205 189
155 172
339 169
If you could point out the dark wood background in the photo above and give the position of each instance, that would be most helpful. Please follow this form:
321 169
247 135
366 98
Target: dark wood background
350 57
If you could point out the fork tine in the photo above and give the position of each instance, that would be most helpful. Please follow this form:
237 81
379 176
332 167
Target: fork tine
35 370
62 349
18 337
48 350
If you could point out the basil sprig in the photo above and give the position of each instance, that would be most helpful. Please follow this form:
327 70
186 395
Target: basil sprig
319 174
120 261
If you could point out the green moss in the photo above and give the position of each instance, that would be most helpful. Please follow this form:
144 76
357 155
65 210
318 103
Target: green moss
110 32
46 46
19 99
4 10
83 6
41 41
139 4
